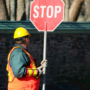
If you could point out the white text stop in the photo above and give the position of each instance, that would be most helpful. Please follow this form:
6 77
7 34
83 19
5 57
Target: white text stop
50 11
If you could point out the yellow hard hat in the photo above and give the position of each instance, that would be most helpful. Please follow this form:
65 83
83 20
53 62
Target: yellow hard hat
20 32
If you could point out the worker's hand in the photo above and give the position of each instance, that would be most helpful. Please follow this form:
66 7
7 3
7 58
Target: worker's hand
44 63
40 70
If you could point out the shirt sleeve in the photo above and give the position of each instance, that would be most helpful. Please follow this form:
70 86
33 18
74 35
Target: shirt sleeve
18 63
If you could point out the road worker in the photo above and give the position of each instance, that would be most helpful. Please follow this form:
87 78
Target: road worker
23 74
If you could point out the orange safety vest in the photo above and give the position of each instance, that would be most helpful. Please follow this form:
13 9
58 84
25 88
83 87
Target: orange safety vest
24 83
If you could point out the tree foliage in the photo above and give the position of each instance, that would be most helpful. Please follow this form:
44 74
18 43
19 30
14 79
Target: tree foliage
74 10
3 14
20 9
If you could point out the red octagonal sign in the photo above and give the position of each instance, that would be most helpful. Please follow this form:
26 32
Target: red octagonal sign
46 11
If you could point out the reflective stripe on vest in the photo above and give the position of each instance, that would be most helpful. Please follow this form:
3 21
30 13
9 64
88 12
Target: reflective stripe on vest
31 59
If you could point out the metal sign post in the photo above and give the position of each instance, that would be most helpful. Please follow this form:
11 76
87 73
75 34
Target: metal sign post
44 55
45 12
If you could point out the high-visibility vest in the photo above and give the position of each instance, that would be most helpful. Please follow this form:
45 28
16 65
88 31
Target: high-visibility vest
24 83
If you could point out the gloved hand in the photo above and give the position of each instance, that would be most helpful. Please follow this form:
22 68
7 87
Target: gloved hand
40 70
44 63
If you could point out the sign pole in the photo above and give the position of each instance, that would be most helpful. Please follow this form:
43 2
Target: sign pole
45 14
44 54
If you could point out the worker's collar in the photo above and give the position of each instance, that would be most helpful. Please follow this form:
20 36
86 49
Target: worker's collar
20 46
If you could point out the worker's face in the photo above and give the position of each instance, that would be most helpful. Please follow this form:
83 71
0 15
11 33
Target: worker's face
27 41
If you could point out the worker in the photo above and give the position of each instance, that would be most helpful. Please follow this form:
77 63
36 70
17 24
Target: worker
23 74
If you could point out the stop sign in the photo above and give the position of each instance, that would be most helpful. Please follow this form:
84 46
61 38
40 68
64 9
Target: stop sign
46 11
